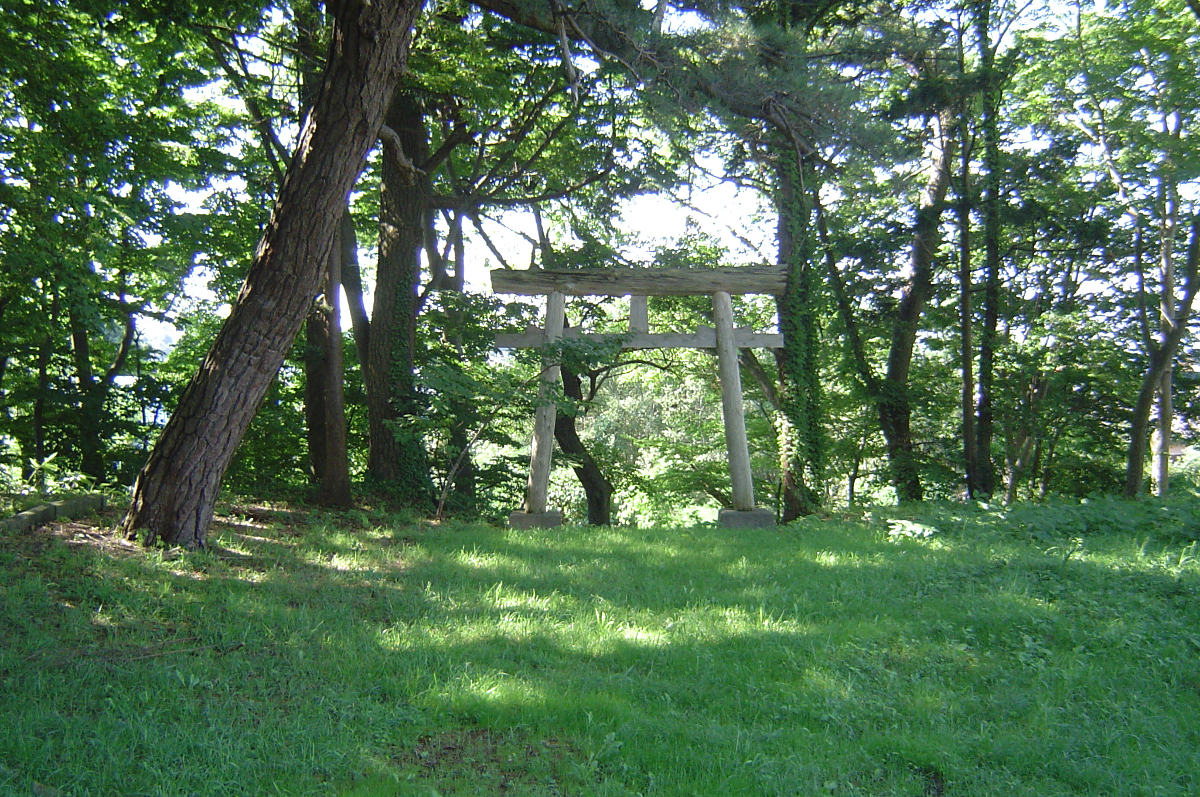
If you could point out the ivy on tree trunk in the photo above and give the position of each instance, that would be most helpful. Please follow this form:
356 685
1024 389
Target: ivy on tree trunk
396 460
801 434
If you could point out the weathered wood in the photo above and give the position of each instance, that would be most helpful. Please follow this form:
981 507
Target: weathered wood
731 404
641 281
639 314
702 338
543 424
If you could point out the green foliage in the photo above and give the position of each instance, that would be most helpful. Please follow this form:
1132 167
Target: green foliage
22 488
104 116
110 112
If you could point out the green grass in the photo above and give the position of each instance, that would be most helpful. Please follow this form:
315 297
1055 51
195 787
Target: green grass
309 654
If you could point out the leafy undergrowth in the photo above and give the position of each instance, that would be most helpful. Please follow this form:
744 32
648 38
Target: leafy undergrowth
959 651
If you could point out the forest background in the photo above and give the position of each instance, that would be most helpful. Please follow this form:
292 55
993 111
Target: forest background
986 212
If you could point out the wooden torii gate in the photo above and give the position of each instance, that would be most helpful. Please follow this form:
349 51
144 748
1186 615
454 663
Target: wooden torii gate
639 284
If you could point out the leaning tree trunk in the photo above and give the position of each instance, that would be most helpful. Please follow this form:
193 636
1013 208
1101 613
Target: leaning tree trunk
175 492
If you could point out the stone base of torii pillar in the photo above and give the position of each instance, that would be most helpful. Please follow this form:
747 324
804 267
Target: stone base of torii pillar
746 518
534 520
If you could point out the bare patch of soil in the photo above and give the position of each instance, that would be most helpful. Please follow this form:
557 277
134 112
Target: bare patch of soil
481 761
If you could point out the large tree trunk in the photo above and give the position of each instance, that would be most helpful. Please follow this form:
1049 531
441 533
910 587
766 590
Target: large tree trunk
307 21
175 492
397 460
1161 448
1160 439
985 413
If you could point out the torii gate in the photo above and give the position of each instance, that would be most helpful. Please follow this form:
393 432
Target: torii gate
639 284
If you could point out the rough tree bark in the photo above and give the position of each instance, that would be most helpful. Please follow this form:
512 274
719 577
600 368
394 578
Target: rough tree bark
175 492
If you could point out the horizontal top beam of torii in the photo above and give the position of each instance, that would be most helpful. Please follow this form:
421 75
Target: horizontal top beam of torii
641 281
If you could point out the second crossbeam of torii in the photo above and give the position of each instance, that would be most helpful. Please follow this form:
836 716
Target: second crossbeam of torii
638 284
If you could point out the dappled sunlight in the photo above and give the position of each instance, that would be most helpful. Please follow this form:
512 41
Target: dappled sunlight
771 657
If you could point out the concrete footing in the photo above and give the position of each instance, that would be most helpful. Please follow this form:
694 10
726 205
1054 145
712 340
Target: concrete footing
746 519
535 520
55 510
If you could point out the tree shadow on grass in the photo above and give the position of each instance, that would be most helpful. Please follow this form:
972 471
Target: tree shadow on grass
592 662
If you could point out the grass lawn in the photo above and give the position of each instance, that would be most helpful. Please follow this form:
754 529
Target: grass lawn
319 654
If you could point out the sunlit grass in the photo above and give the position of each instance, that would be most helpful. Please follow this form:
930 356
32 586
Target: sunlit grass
317 654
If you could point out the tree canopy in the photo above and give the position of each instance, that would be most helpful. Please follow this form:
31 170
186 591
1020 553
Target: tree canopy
986 212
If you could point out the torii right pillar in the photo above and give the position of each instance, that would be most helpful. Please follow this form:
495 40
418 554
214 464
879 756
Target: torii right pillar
744 513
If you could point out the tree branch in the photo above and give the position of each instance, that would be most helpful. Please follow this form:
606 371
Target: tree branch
395 150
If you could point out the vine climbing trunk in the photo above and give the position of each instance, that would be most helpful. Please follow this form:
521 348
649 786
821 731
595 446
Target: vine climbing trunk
801 433
175 492
396 459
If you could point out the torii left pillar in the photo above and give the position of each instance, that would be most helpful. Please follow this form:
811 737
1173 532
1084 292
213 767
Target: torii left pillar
744 513
535 514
